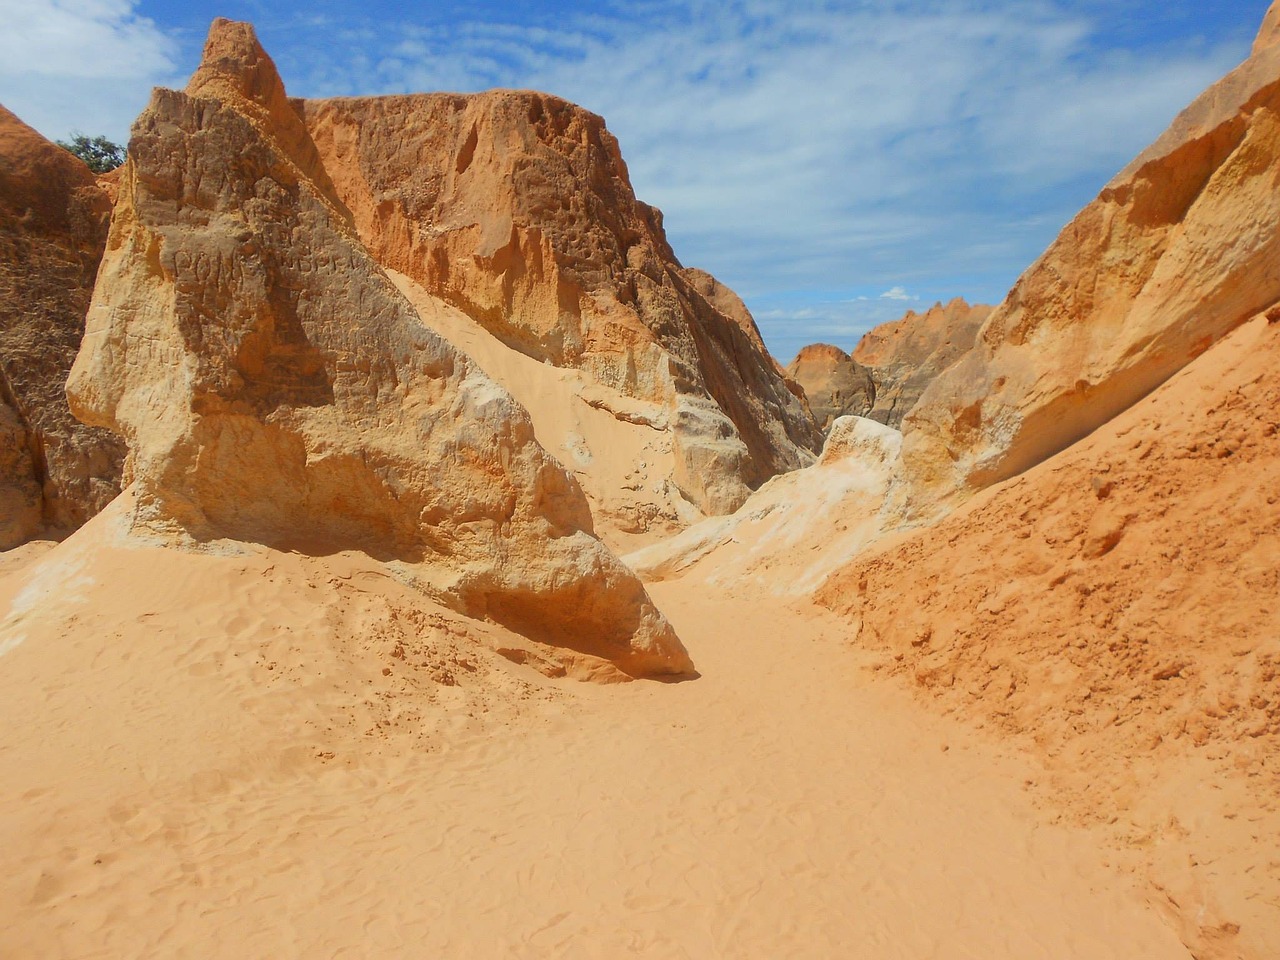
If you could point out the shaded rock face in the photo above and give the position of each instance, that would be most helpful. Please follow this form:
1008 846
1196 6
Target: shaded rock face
55 473
728 303
835 384
517 208
906 355
273 385
1180 248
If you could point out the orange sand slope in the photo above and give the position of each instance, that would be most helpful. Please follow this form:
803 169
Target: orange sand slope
1118 607
265 754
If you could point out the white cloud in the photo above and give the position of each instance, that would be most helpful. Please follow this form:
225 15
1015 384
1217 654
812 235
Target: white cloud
897 293
80 64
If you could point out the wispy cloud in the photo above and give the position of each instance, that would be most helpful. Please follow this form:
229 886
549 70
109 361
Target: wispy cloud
80 64
897 293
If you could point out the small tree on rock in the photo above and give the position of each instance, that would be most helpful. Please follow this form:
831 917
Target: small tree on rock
99 153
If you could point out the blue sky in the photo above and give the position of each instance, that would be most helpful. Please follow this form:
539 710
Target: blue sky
834 162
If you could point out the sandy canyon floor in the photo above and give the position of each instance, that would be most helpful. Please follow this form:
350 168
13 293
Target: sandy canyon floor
230 762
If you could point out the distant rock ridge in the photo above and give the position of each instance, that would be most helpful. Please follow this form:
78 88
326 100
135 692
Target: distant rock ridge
55 473
835 384
517 207
274 386
906 355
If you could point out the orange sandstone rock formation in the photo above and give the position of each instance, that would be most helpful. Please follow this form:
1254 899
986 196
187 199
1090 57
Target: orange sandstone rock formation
728 303
274 386
1178 250
906 355
517 207
834 383
55 473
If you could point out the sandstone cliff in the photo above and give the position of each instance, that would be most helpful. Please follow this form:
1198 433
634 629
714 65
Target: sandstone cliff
517 208
835 384
1179 248
906 355
273 386
55 473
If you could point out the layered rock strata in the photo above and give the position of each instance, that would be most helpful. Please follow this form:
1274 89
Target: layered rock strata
1179 249
904 356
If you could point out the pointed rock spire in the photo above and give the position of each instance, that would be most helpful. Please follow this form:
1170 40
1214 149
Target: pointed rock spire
237 71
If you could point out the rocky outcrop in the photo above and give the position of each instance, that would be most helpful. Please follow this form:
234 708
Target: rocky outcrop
728 303
1179 249
906 355
835 384
55 473
273 385
517 208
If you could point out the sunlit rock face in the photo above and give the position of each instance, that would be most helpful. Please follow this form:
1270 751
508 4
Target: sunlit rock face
834 383
904 356
1178 250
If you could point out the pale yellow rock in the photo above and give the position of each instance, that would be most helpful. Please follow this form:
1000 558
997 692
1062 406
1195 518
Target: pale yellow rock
798 527
274 386
1269 35
55 473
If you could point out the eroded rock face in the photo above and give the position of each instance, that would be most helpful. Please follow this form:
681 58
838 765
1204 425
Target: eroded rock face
835 384
517 207
906 355
273 385
1179 248
55 473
